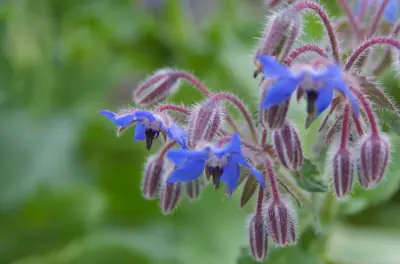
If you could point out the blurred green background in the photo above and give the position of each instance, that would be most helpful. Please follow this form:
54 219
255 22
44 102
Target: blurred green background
70 190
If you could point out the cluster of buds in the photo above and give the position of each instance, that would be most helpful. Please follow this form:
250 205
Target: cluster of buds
208 147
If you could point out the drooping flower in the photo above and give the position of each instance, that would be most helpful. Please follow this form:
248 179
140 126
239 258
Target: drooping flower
222 163
390 13
318 84
148 125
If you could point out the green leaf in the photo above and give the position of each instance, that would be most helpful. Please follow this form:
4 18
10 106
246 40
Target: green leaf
309 178
248 190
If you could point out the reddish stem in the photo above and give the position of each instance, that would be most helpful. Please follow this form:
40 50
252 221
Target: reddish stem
368 110
302 49
270 173
167 147
353 21
345 127
325 19
359 128
264 138
260 201
367 44
172 107
294 33
377 18
242 108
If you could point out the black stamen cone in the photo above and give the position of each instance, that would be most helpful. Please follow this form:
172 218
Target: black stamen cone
311 110
150 136
216 173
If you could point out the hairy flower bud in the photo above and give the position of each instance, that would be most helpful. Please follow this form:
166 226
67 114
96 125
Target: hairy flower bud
204 122
281 222
258 237
373 160
343 172
288 147
170 195
193 189
156 89
152 176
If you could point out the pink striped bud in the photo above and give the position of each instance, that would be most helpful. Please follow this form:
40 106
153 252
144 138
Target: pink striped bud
156 89
373 160
288 147
258 237
193 189
152 176
281 222
170 195
204 122
343 172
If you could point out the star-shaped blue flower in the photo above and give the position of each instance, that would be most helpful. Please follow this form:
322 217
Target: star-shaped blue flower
222 163
390 14
318 84
148 126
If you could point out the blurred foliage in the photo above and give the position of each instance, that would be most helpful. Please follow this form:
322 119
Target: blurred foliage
69 190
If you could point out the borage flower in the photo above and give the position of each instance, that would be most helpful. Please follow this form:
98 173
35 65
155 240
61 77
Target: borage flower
149 125
222 163
318 84
390 13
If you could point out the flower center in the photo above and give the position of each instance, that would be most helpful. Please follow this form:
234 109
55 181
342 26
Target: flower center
150 136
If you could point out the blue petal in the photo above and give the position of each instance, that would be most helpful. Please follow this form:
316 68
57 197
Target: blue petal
145 114
231 176
391 11
178 156
190 170
177 134
140 131
324 99
242 161
272 68
341 86
279 91
109 114
234 146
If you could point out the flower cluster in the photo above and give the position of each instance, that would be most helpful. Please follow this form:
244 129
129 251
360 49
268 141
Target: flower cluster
208 146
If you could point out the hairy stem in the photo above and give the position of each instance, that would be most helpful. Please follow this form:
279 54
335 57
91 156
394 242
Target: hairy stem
326 21
172 107
345 127
302 49
377 18
352 19
368 110
242 108
368 44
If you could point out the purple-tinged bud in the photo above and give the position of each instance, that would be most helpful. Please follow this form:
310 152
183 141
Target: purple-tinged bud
170 196
273 117
281 222
373 160
156 89
343 172
193 189
152 176
204 122
288 147
258 237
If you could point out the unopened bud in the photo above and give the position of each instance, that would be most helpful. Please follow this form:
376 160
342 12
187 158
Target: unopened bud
170 196
343 172
281 222
152 176
193 189
288 147
204 122
373 160
258 237
156 89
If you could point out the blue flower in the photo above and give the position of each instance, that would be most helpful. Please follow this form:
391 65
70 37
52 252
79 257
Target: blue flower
390 14
148 126
222 163
318 85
